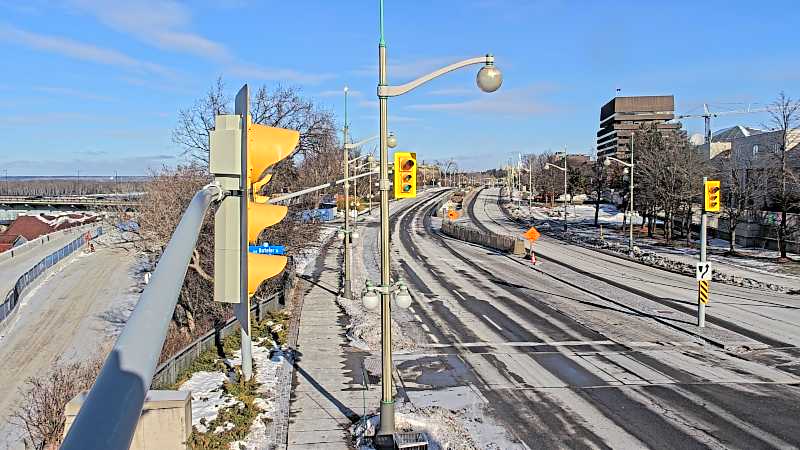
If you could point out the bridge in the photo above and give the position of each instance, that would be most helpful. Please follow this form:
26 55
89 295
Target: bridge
66 203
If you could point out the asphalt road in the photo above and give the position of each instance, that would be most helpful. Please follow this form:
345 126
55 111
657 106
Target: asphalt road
72 313
563 360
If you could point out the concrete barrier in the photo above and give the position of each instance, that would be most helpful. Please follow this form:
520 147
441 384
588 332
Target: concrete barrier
165 424
503 243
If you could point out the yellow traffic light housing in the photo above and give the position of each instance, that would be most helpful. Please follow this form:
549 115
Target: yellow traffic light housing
266 146
712 195
405 175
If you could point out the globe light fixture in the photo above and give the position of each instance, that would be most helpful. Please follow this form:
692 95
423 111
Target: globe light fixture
402 299
370 299
489 77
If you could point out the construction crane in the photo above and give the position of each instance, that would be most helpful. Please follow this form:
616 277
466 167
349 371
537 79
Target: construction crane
707 115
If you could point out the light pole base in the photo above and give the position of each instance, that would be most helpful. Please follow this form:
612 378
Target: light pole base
348 292
387 418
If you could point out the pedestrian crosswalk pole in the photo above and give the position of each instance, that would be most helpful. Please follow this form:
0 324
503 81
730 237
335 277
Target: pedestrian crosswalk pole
701 305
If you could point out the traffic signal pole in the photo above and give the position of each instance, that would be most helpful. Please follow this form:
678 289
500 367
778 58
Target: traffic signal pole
701 307
242 309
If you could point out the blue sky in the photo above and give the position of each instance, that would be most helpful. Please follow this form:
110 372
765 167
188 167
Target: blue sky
95 85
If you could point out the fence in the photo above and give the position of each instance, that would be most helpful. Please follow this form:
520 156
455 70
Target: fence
23 282
487 239
167 373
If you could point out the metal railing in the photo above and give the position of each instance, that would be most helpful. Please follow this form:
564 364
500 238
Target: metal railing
169 370
16 293
109 415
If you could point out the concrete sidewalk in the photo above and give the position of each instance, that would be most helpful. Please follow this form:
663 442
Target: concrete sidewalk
327 396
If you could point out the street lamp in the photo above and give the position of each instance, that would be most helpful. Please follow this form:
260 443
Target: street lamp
349 234
547 166
488 79
369 163
606 163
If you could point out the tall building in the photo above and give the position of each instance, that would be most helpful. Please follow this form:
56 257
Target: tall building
621 116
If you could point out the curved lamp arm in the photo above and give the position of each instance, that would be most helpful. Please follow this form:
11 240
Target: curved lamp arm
619 161
360 143
557 167
394 91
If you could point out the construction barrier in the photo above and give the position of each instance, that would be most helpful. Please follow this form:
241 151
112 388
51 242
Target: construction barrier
496 241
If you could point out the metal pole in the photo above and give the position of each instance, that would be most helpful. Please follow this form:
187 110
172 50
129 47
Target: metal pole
111 411
356 202
565 189
630 206
387 399
347 288
530 187
701 308
242 309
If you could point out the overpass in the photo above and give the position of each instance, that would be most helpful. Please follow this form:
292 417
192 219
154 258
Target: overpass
67 203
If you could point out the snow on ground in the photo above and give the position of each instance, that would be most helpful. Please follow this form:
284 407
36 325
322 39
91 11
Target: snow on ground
754 263
464 429
208 397
309 255
364 329
266 362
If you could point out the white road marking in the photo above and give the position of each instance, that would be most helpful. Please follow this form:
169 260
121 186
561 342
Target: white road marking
491 322
521 344
433 338
416 316
425 327
462 297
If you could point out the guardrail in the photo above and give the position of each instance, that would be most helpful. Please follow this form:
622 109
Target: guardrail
111 410
12 298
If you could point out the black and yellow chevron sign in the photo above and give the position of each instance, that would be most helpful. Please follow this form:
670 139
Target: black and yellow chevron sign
702 291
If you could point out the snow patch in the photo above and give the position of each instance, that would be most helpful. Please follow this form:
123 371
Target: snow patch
208 397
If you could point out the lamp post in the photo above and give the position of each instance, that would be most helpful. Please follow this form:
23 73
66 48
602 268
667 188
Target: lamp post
607 162
489 79
348 232
530 184
370 162
563 169
392 143
347 288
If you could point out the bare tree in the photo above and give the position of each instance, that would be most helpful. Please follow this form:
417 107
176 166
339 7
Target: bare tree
669 174
785 120
41 412
744 187
196 122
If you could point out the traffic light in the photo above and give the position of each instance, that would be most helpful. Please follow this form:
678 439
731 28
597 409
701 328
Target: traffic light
405 175
266 146
244 214
712 194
